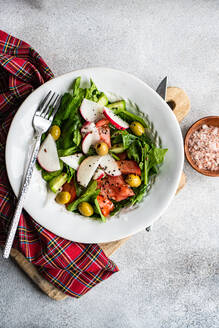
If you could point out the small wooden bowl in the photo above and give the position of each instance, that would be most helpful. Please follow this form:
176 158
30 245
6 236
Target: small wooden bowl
208 120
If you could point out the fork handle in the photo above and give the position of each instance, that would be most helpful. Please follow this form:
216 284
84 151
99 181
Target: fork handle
21 198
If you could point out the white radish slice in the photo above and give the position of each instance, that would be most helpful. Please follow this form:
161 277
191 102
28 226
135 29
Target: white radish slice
99 174
88 127
91 138
91 111
109 165
87 169
48 156
72 160
119 123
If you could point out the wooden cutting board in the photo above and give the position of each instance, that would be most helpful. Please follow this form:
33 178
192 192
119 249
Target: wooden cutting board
179 102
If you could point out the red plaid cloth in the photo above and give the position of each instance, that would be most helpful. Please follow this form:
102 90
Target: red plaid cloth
74 268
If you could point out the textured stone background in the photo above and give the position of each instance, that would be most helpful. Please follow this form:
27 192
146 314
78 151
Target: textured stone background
169 277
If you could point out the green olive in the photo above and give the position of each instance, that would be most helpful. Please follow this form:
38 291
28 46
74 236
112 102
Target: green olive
85 209
137 128
133 180
55 132
63 197
101 148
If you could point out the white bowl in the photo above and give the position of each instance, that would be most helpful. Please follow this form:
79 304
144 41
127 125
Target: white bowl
72 226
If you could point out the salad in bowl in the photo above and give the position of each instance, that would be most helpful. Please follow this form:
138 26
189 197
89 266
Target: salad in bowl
100 155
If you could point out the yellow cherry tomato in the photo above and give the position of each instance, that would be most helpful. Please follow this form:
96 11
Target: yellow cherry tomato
63 197
55 132
101 148
137 128
85 209
133 180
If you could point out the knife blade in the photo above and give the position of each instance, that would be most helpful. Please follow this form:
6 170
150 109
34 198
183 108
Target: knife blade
162 88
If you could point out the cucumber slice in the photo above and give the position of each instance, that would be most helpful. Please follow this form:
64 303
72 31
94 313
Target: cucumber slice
117 148
117 105
103 100
57 182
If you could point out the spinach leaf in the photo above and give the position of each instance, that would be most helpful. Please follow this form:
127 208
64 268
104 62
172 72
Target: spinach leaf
70 172
92 93
123 137
158 155
99 210
129 117
139 194
68 151
135 151
91 191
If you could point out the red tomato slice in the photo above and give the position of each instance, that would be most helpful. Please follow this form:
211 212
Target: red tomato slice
128 167
102 122
70 187
106 205
104 133
114 187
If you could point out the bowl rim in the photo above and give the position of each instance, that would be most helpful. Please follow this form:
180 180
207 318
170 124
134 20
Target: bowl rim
187 153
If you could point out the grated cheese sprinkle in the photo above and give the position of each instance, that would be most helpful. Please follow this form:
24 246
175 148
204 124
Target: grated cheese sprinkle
203 146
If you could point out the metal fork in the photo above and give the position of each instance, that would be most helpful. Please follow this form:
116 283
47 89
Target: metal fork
42 120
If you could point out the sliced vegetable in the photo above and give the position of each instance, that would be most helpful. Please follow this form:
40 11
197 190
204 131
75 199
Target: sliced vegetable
99 174
88 127
117 148
87 169
117 105
57 182
115 120
103 100
109 165
91 111
72 160
48 155
90 139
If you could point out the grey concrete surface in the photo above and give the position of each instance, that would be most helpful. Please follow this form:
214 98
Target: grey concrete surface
169 277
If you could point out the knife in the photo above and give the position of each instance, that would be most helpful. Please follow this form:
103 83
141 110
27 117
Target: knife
162 88
162 91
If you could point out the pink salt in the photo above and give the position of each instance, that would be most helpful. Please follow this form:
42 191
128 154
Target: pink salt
203 146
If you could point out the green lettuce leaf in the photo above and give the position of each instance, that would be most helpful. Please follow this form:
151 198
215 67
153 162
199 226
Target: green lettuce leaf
93 93
90 192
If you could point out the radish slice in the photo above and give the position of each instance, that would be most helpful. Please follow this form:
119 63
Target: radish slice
88 127
99 174
87 169
109 165
115 120
91 111
48 155
72 160
91 138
